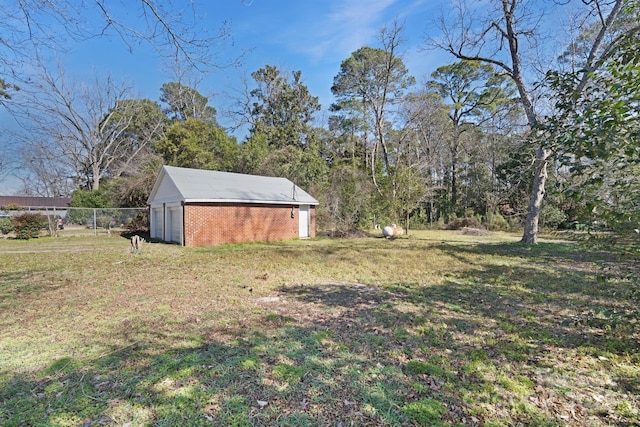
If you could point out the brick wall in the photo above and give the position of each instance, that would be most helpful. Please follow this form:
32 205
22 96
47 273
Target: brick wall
312 222
215 224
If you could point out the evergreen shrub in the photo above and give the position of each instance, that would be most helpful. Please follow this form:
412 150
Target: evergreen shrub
6 225
28 225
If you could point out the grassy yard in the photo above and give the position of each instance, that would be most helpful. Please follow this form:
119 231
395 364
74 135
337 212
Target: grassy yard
433 329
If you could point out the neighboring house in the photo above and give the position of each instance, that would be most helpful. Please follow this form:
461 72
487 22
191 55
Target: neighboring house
194 207
35 203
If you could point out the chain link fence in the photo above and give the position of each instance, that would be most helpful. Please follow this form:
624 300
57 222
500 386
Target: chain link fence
87 221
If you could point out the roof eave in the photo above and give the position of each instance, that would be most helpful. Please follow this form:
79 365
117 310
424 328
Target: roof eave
261 202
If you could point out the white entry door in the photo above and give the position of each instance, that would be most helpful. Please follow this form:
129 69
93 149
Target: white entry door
304 221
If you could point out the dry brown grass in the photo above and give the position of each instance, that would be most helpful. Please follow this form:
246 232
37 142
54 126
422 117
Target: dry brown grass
435 328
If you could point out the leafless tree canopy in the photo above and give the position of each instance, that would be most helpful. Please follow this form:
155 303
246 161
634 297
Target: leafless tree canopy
30 29
81 125
77 134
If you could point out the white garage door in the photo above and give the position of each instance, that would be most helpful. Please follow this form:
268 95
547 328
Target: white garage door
156 219
174 222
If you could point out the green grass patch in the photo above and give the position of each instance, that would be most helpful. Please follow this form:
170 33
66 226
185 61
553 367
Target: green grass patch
288 373
425 412
419 367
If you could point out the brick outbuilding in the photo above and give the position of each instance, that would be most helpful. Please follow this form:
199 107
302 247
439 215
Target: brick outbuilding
194 207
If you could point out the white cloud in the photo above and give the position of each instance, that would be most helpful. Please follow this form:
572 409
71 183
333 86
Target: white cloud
339 29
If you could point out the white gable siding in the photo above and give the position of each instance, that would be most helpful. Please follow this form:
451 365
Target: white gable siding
166 192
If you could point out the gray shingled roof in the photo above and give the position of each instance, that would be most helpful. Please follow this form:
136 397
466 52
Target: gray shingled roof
197 185
36 202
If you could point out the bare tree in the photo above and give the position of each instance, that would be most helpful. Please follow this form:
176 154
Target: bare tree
79 134
32 31
423 143
31 28
370 81
42 174
4 167
502 36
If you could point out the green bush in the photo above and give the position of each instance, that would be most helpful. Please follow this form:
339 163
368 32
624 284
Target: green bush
498 222
97 199
80 216
28 225
6 225
91 198
551 217
103 221
11 207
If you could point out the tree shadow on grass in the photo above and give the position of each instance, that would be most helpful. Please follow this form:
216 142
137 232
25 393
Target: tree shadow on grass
317 355
551 253
469 351
519 323
569 289
282 373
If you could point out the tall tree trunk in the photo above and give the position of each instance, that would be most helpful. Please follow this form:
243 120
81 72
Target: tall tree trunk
92 171
365 137
374 152
95 183
454 186
385 151
504 28
454 165
530 234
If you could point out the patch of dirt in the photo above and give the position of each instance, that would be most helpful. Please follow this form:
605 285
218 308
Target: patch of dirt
469 231
344 234
267 300
331 303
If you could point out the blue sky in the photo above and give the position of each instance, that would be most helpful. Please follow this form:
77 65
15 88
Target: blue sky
313 36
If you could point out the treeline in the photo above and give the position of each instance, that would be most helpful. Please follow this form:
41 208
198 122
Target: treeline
386 153
459 145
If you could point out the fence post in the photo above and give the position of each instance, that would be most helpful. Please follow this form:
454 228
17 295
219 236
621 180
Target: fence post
95 224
